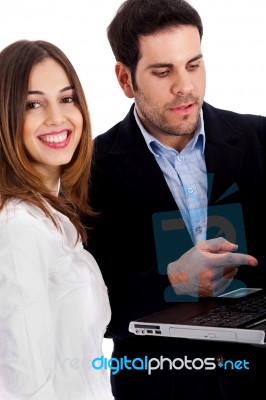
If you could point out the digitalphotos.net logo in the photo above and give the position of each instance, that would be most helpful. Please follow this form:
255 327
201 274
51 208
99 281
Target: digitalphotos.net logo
149 365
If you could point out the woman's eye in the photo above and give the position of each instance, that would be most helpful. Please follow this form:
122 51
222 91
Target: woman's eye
69 99
31 105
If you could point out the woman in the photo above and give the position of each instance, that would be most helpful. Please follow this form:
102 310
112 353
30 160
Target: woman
54 306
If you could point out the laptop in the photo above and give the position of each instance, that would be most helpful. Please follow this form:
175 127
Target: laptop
238 316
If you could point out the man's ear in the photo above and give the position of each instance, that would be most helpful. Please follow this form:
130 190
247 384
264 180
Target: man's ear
123 75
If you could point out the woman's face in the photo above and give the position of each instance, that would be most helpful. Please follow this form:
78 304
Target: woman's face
53 122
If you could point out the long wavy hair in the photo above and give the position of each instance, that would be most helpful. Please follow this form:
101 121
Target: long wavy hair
18 178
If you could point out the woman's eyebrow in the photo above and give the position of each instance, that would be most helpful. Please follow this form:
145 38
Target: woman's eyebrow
42 93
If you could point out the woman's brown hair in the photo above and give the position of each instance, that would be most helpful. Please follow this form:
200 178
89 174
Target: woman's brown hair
18 178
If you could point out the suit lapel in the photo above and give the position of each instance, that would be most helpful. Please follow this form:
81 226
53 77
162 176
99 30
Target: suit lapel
139 169
223 158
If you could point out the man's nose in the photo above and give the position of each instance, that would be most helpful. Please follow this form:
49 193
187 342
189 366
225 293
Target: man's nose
182 84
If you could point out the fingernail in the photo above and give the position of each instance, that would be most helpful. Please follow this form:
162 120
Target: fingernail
253 263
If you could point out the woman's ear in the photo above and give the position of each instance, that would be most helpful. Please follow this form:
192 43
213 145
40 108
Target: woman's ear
123 75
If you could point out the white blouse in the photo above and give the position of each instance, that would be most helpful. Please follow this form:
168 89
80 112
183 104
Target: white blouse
54 310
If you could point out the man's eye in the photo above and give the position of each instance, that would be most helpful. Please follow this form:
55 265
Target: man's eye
193 66
161 73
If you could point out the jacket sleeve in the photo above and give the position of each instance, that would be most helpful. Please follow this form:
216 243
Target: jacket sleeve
120 238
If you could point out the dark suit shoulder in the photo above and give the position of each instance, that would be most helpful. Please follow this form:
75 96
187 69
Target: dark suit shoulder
235 119
122 140
120 137
105 140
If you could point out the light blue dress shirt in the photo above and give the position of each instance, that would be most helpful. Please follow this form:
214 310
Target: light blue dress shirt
186 175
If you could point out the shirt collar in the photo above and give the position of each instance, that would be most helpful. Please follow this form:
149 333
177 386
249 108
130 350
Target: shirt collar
153 143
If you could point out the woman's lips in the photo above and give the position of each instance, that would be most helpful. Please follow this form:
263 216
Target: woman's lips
56 140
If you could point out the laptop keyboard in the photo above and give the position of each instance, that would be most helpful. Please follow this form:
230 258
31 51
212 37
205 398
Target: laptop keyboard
246 312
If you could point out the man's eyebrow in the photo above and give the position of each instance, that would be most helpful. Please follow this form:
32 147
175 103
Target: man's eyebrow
170 65
196 58
160 65
42 93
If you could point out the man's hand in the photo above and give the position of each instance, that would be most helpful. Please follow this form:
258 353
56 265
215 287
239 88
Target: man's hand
207 269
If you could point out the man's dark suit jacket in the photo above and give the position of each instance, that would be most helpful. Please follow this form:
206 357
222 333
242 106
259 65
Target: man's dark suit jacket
128 188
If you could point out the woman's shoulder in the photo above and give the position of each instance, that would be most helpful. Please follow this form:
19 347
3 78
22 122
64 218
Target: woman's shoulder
17 213
23 216
16 208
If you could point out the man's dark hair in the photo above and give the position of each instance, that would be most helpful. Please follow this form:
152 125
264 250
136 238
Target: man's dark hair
136 18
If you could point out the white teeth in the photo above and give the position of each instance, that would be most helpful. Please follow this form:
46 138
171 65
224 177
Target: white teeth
54 138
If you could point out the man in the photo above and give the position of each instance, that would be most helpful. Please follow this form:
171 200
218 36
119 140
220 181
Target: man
176 155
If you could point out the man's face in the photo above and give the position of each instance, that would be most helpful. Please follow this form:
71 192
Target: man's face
170 83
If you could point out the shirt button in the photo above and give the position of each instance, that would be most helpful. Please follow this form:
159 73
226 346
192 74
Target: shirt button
198 229
179 158
190 190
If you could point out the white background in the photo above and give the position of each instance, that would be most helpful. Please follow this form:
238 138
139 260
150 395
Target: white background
234 45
